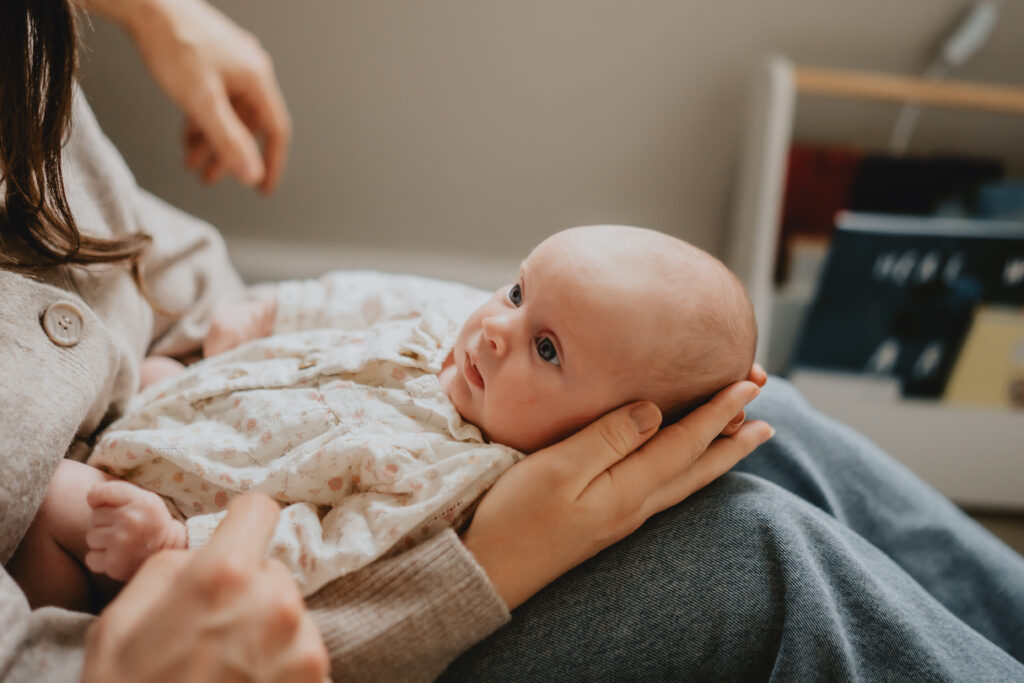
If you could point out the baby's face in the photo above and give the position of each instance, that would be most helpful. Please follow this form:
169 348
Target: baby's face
537 361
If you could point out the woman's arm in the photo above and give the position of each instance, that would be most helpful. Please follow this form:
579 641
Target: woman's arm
221 613
408 617
221 78
560 506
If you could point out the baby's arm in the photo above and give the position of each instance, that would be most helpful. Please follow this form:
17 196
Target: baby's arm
237 323
342 300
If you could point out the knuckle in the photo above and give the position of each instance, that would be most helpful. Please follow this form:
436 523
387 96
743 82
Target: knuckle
698 443
615 438
163 558
204 95
287 614
312 663
264 64
224 575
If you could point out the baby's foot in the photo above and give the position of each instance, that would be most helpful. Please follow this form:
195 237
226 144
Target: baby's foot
128 525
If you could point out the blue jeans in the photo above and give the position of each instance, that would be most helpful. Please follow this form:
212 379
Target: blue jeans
818 558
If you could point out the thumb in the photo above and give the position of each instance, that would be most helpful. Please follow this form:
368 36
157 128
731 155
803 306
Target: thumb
232 142
606 441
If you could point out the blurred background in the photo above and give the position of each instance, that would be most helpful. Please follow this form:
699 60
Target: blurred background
475 128
448 138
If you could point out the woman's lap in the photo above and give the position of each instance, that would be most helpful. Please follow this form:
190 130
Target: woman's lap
969 571
747 581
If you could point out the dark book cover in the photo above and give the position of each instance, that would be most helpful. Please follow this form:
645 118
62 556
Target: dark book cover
897 294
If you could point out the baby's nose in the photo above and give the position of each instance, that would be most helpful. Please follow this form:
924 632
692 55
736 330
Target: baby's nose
495 331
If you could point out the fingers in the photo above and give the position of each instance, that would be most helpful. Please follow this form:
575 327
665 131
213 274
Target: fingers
676 447
260 112
151 582
716 461
289 631
605 442
757 375
275 125
307 660
699 428
244 534
233 143
197 149
735 424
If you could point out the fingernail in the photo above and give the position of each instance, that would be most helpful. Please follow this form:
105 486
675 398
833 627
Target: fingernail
646 417
754 393
771 432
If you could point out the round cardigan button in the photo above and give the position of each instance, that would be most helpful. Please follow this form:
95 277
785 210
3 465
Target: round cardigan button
63 323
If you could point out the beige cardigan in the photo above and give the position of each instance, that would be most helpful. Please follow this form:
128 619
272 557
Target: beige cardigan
403 619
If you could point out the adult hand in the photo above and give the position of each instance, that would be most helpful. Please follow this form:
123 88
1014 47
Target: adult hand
564 504
223 613
758 376
223 80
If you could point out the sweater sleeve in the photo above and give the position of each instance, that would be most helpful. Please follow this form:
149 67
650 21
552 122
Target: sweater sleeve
185 269
41 645
49 391
408 617
187 272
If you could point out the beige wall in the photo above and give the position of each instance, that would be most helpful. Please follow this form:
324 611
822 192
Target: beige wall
477 127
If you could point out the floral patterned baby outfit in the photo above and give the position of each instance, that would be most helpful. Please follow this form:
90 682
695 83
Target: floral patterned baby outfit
339 416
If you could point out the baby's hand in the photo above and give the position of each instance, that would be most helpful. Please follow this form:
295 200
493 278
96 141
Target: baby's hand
238 323
128 525
156 368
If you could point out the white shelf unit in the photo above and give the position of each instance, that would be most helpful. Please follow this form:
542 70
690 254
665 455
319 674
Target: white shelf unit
974 456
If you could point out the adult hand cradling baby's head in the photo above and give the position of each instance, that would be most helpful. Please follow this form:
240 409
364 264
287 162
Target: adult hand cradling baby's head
565 503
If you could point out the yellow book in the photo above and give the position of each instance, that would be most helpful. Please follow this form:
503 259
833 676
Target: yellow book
990 368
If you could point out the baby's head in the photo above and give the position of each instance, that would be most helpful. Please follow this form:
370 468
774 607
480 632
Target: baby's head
598 317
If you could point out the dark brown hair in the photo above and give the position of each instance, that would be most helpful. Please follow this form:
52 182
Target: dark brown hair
38 48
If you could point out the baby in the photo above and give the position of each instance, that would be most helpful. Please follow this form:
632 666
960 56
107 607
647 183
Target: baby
382 407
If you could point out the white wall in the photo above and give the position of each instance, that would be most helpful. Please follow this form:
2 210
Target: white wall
477 127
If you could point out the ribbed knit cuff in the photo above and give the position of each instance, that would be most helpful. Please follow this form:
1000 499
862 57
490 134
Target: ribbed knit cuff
407 617
198 529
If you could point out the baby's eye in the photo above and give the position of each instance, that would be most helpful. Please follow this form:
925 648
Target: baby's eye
515 294
546 350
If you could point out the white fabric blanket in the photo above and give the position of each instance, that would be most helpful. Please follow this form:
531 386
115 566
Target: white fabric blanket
339 416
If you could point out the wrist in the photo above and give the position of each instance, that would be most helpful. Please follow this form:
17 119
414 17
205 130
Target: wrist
508 579
128 14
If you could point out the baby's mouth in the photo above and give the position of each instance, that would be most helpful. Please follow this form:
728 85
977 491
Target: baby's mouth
472 374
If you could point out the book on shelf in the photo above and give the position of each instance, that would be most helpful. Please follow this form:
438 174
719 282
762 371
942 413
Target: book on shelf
898 295
990 368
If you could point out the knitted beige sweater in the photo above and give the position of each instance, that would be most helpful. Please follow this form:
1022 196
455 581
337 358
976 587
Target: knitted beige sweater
403 619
